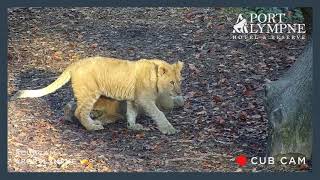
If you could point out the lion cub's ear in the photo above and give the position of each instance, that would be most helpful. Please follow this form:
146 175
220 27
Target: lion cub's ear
179 65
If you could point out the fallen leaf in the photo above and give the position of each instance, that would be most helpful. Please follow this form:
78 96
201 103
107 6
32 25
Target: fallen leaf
59 163
140 136
220 120
210 25
220 27
190 94
193 68
304 167
248 92
57 55
50 158
90 165
94 45
198 56
291 59
106 169
207 165
257 116
93 143
222 81
65 164
217 98
84 161
254 169
114 136
201 112
192 14
243 115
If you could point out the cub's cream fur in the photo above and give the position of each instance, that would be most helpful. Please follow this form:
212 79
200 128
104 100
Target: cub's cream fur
137 82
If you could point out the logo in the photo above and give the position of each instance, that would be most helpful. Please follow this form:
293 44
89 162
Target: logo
267 26
241 26
243 160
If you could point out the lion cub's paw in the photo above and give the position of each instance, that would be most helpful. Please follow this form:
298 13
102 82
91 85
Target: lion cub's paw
137 127
167 128
95 125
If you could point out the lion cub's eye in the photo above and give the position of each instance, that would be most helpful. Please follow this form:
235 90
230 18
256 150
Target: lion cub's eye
172 82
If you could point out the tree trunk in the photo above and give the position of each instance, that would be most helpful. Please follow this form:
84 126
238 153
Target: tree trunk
288 106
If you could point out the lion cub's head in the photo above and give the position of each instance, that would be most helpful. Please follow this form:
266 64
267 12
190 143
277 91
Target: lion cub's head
169 78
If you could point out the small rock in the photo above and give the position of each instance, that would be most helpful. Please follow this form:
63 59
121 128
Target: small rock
257 116
216 109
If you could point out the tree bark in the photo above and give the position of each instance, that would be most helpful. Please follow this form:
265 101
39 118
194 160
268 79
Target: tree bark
307 18
288 105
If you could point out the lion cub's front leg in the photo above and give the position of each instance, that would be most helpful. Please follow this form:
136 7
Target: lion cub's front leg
158 116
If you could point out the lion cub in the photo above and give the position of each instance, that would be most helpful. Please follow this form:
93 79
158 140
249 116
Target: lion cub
139 83
109 111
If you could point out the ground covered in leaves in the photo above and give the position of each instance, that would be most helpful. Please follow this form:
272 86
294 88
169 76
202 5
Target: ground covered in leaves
223 82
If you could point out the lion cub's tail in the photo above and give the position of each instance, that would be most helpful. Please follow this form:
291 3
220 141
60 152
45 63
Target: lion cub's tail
58 83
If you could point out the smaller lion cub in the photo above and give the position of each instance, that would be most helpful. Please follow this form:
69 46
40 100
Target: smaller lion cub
139 83
109 111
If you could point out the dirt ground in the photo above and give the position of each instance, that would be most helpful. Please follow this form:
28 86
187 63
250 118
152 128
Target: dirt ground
223 82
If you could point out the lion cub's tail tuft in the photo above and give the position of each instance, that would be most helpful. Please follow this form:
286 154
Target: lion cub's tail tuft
58 83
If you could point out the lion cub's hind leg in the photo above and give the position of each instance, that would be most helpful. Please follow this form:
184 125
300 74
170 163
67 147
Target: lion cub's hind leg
84 107
132 112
